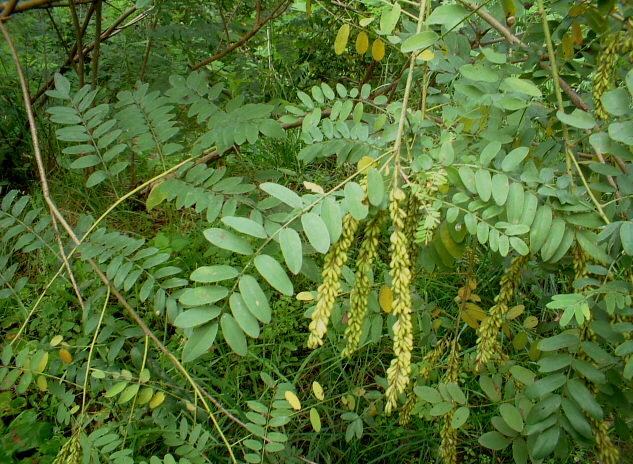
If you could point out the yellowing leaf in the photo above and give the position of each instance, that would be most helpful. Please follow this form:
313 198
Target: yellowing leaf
293 400
505 328
530 322
576 33
315 420
315 188
144 376
364 163
42 362
436 324
65 356
426 55
385 298
305 296
156 196
42 383
317 389
378 50
144 395
362 43
568 46
473 315
515 312
157 400
341 39
56 340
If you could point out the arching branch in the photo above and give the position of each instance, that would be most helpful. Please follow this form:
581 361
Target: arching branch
259 23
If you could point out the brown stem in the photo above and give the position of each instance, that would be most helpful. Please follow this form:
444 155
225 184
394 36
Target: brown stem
246 37
80 47
97 42
12 6
8 8
148 48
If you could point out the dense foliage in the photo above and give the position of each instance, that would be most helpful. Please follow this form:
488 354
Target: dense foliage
316 231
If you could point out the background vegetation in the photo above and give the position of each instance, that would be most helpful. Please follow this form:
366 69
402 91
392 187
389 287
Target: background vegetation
316 231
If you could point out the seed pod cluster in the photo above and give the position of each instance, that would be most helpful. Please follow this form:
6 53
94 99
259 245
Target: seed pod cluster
70 452
329 289
608 453
430 359
448 434
425 191
580 261
362 285
398 373
615 46
488 346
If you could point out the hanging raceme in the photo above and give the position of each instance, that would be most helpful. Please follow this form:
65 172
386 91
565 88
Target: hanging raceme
614 47
329 288
362 285
399 371
448 433
488 346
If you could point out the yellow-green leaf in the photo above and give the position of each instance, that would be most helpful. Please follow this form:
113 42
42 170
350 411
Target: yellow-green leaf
315 420
342 36
293 400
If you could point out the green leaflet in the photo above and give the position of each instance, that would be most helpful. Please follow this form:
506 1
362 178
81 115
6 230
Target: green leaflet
389 19
228 241
199 296
245 225
255 298
283 194
274 274
513 159
493 440
375 187
483 184
210 274
291 249
233 334
354 201
332 217
244 318
419 41
316 231
195 317
511 416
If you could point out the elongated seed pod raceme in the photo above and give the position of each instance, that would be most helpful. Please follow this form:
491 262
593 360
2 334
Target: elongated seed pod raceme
448 434
362 285
431 358
608 453
488 346
331 285
70 452
398 373
614 46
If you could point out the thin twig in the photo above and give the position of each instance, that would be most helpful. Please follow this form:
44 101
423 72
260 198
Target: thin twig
107 34
246 37
148 47
79 36
95 54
